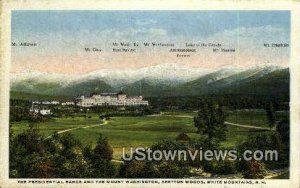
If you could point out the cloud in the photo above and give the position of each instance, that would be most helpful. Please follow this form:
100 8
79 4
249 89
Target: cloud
132 33
249 41
157 32
143 22
254 33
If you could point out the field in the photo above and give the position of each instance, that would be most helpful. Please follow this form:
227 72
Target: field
56 124
256 117
138 131
249 117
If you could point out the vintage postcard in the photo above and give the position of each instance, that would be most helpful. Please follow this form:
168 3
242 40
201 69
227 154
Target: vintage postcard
99 95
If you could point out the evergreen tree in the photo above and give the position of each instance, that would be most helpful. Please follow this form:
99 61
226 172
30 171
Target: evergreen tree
271 115
101 157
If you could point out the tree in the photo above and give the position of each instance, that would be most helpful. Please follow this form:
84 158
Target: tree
283 128
210 121
60 156
103 150
265 141
40 165
68 158
183 137
100 158
157 169
137 169
271 115
26 151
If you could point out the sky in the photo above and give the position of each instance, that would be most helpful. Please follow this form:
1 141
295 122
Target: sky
62 36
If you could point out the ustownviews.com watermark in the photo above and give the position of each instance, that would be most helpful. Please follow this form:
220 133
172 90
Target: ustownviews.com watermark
141 154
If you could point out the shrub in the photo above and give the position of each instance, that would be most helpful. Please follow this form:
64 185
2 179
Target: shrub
254 170
183 137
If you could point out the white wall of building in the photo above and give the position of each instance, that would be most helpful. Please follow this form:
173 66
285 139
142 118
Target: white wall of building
111 100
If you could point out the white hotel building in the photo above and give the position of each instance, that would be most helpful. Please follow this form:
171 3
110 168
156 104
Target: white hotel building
110 99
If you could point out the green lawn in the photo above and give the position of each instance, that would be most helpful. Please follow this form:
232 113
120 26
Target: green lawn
134 131
144 131
252 117
248 117
184 113
236 135
56 124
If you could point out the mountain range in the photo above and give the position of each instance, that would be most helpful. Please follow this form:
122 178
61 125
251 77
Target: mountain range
159 80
